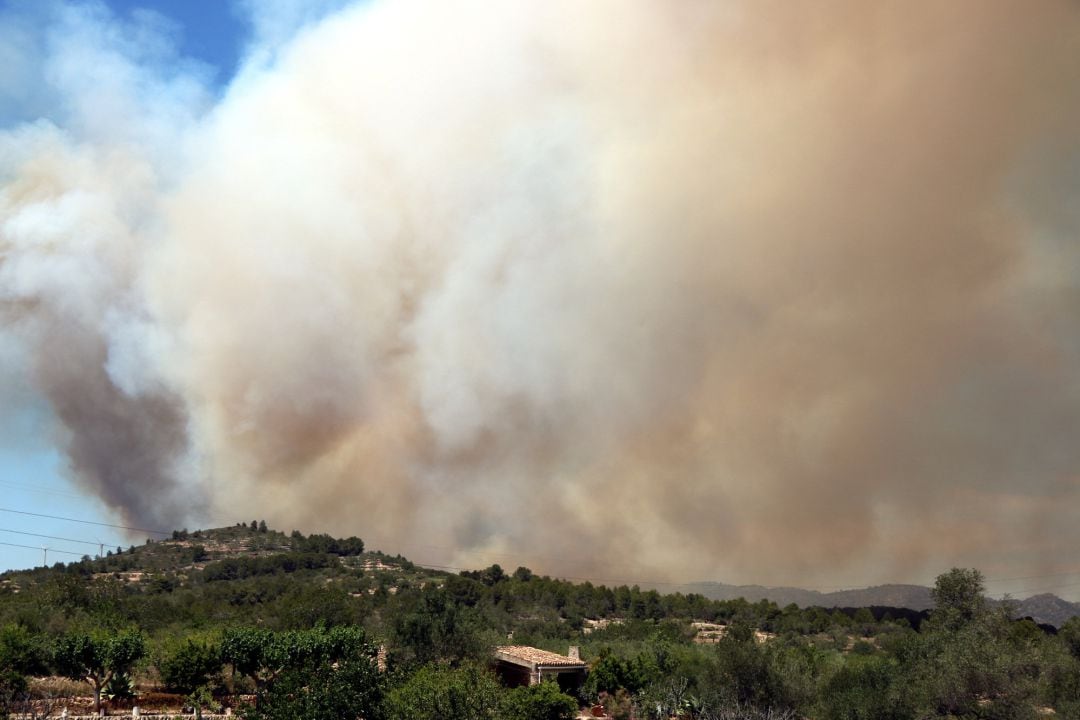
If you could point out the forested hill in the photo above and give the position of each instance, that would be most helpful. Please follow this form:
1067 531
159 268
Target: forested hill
249 574
287 625
256 570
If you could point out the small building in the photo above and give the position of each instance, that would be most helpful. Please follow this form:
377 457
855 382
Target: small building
523 665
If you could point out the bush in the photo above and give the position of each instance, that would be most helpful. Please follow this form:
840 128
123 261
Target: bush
539 702
861 647
346 689
442 693
866 688
12 687
190 667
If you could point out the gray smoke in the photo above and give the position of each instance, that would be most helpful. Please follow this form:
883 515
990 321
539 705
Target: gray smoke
771 292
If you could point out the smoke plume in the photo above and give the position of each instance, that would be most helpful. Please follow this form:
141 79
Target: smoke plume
765 291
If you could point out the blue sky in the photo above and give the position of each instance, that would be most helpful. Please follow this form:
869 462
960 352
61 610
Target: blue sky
219 32
213 31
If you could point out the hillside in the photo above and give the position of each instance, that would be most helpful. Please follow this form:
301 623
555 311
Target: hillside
240 615
211 564
232 559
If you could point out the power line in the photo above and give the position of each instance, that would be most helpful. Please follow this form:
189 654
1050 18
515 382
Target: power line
86 522
1033 577
50 490
1039 590
39 549
53 537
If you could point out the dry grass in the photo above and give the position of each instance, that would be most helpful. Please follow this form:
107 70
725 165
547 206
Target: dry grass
58 687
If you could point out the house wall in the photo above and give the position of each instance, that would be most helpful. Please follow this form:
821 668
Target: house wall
513 675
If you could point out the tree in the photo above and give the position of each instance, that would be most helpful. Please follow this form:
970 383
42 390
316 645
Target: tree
249 651
958 597
265 655
971 660
262 526
489 575
97 658
428 626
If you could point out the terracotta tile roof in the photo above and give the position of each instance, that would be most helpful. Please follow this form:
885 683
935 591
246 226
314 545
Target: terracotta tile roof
537 656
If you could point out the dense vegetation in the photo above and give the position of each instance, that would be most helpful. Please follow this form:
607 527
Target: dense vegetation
294 623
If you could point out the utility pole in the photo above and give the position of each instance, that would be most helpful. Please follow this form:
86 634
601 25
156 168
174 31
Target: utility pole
45 556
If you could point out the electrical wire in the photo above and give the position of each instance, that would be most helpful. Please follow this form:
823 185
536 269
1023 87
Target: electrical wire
85 522
39 549
49 490
55 537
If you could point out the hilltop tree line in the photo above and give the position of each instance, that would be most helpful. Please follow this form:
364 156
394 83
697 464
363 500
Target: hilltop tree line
297 625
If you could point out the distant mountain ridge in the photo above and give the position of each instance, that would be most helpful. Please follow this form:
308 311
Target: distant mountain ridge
1048 608
1045 608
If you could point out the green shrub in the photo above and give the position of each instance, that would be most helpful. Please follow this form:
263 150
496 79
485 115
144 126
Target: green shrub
538 702
866 688
442 693
191 666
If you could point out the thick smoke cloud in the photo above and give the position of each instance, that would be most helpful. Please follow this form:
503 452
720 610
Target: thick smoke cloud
82 179
760 291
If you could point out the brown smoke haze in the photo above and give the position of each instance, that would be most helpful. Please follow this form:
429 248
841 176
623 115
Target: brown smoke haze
758 291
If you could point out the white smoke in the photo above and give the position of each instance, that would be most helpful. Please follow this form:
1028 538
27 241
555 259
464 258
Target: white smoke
766 291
